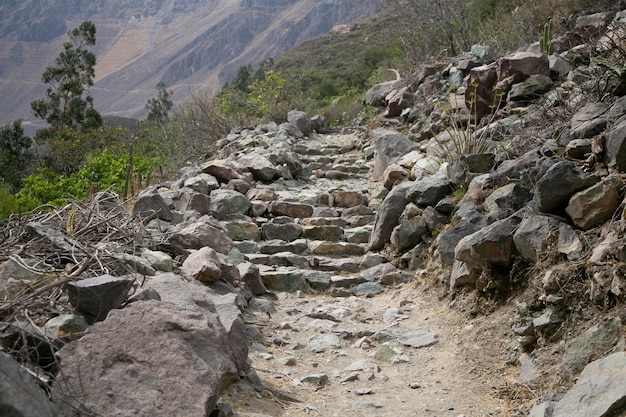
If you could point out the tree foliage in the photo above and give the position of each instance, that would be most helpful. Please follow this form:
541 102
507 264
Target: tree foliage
159 107
68 103
15 154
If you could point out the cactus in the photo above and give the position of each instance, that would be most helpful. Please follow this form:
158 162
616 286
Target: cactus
545 43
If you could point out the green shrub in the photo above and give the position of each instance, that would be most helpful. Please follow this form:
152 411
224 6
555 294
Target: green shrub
102 171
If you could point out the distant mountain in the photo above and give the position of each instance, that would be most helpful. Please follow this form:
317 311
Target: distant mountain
187 44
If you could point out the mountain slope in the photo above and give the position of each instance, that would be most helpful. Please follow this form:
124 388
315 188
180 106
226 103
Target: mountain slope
189 45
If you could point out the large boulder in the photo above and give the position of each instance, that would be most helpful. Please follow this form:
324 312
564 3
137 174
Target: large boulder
226 203
534 234
388 215
150 205
155 358
221 169
377 94
260 167
203 265
428 191
492 244
560 182
300 120
200 234
390 147
600 390
20 396
593 206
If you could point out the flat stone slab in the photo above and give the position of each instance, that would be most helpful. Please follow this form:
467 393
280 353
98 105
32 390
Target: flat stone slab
419 339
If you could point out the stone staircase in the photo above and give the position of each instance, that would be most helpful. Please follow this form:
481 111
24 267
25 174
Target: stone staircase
314 237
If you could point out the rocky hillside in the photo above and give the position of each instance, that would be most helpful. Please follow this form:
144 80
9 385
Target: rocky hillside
188 45
412 264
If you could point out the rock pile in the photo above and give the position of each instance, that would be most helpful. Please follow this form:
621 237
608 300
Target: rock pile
153 299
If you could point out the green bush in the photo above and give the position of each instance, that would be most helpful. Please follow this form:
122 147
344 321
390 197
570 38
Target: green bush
102 171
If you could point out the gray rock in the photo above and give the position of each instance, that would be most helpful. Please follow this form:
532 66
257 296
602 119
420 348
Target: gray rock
262 304
591 343
324 221
360 234
11 271
221 169
428 191
243 230
202 183
200 234
544 409
376 95
283 279
251 276
320 343
398 100
299 246
150 205
506 200
300 120
408 233
328 233
578 148
593 206
225 203
547 320
96 297
137 263
569 244
463 169
203 265
589 121
187 199
419 339
287 232
368 289
20 396
449 238
290 209
600 389
317 280
560 182
158 260
534 234
324 248
66 327
188 368
388 215
462 275
260 167
348 199
530 89
375 273
390 147
491 244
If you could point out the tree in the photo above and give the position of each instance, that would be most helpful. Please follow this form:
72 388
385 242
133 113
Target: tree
15 154
68 103
160 106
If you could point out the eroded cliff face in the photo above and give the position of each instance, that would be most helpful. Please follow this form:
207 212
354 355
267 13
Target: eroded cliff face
188 44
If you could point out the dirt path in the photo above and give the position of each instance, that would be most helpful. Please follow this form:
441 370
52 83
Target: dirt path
461 374
319 355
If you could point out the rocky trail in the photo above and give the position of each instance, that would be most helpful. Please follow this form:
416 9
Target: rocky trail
356 338
401 267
